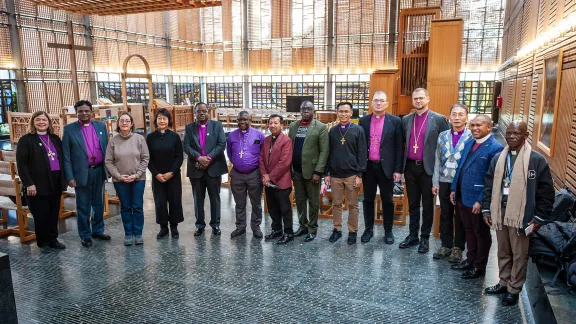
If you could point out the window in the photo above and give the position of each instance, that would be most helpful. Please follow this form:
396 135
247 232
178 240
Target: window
137 92
356 93
183 91
225 94
477 95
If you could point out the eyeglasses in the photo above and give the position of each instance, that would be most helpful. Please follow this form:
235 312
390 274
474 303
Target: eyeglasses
306 109
124 121
458 115
380 101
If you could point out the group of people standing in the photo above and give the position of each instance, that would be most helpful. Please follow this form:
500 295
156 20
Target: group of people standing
479 183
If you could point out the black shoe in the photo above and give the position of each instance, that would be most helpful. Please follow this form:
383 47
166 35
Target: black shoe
301 231
367 235
273 235
310 237
57 245
216 231
285 239
510 299
473 274
174 232
199 231
101 236
464 265
336 235
352 237
495 290
86 242
388 236
45 249
424 246
257 233
408 242
237 232
163 232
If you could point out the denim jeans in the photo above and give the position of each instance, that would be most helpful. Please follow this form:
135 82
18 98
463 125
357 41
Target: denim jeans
131 197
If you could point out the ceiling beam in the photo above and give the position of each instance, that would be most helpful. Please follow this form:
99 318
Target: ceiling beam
118 7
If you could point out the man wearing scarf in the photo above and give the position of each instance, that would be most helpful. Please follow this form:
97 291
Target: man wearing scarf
518 199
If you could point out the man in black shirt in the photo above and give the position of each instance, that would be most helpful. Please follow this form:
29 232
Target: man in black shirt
346 165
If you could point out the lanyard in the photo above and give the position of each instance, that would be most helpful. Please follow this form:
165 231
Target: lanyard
509 169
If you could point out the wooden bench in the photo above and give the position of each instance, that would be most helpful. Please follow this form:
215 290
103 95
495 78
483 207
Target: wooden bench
19 122
10 186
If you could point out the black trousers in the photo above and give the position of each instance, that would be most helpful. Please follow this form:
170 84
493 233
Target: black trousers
199 188
280 208
168 201
419 189
45 210
374 177
452 231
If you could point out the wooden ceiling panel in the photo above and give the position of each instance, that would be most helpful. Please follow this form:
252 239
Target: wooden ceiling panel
125 7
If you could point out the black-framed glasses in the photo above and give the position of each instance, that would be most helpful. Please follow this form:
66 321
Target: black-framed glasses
306 109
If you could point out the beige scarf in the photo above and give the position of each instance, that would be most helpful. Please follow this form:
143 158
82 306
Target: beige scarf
517 195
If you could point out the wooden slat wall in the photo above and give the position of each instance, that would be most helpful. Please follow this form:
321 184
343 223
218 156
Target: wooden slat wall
522 83
444 64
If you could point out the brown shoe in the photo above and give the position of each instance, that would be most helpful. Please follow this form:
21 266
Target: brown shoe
455 256
441 253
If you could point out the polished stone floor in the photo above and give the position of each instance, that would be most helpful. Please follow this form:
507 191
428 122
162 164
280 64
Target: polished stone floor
215 279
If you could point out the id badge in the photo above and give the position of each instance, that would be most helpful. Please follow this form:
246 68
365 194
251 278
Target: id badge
451 165
506 191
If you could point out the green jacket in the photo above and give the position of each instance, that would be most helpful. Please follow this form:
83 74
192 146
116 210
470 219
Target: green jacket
315 149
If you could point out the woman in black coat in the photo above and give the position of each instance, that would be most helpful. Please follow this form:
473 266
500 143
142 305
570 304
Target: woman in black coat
166 157
40 165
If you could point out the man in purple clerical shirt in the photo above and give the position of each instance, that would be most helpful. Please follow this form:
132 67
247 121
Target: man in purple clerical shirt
421 130
204 144
243 149
84 146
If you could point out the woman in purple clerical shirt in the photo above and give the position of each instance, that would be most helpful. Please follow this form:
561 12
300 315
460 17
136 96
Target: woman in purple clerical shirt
41 170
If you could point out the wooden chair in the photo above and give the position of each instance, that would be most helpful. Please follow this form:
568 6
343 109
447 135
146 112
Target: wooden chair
400 208
7 155
11 187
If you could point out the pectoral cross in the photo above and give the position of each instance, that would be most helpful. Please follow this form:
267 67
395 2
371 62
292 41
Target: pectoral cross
51 155
415 147
241 153
343 141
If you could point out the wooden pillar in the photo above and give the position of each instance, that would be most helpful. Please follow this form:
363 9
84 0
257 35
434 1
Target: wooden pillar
22 101
444 62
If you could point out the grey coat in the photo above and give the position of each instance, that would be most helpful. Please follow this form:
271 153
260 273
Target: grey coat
437 123
214 146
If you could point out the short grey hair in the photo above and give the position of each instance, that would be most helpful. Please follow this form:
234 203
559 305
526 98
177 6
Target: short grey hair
420 90
379 92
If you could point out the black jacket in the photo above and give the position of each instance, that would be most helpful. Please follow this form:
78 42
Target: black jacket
391 143
539 189
34 167
166 153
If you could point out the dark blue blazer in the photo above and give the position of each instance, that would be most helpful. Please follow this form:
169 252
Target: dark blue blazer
469 179
75 154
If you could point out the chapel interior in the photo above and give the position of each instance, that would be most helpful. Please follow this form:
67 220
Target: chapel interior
508 59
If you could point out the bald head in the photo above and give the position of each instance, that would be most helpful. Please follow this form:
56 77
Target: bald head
516 134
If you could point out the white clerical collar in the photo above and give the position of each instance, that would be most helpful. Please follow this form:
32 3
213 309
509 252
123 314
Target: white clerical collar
243 131
514 152
41 133
483 139
202 125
